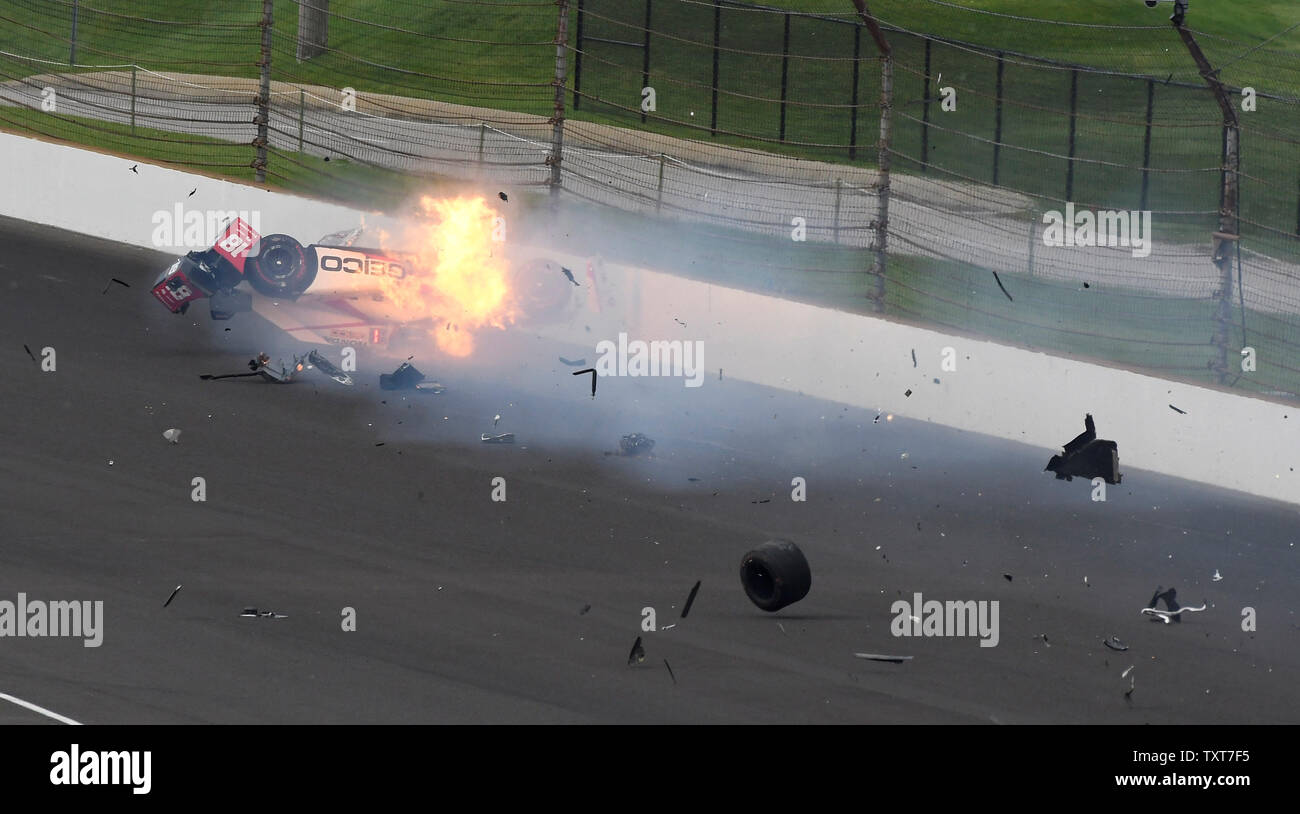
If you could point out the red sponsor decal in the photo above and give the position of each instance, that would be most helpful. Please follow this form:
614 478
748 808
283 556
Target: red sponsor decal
235 243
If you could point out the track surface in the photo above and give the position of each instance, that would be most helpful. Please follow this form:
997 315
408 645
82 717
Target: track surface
469 610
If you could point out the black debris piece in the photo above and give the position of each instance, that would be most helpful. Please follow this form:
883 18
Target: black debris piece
569 274
1085 285
192 191
503 197
380 444
876 420
408 377
584 610
670 671
690 600
594 376
1001 286
679 322
573 362
134 170
29 353
1170 598
1007 577
173 596
692 480
109 285
635 443
936 381
254 613
913 357
908 393
879 657
764 500
637 655
1115 644
1176 410
1087 456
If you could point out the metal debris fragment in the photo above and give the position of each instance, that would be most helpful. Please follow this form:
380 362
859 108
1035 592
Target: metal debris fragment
503 438
879 657
1115 644
635 443
690 600
173 596
638 653
173 435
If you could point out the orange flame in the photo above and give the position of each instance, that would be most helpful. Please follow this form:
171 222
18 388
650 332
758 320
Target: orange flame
460 278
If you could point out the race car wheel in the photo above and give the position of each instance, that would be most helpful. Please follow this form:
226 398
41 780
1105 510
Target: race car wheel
282 267
775 574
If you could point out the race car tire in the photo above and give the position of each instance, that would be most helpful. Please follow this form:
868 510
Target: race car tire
775 574
542 290
282 267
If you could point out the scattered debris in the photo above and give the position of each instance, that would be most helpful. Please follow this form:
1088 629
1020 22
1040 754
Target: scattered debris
192 191
876 420
495 419
1007 577
1176 410
1085 581
1166 616
719 374
638 653
635 443
1001 286
936 381
670 671
1087 456
503 438
775 574
913 357
584 610
173 435
110 284
592 371
254 613
1085 285
782 627
408 377
1217 576
879 657
573 362
569 274
1132 684
134 170
327 367
29 353
690 600
764 500
381 443
1127 670
173 596
908 393
503 197
1115 644
679 322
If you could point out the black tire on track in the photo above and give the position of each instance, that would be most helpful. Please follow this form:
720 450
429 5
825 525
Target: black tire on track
775 574
282 267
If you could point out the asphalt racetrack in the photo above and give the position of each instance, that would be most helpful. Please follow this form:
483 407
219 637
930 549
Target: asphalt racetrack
469 610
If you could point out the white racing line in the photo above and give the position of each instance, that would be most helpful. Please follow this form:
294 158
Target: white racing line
42 710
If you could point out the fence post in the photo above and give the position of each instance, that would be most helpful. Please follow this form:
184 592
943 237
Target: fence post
1033 238
853 108
1074 104
302 115
577 57
263 117
1146 144
785 71
482 137
557 120
72 53
717 41
839 187
886 128
997 127
133 75
659 199
925 113
645 54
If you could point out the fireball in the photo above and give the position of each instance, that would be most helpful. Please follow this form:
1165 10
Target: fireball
460 279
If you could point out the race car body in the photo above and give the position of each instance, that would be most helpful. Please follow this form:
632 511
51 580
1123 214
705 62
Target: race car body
331 291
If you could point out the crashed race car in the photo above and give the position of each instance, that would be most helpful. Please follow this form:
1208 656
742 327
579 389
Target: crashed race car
337 289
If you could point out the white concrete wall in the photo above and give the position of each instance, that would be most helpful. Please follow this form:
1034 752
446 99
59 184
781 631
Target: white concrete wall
1226 440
